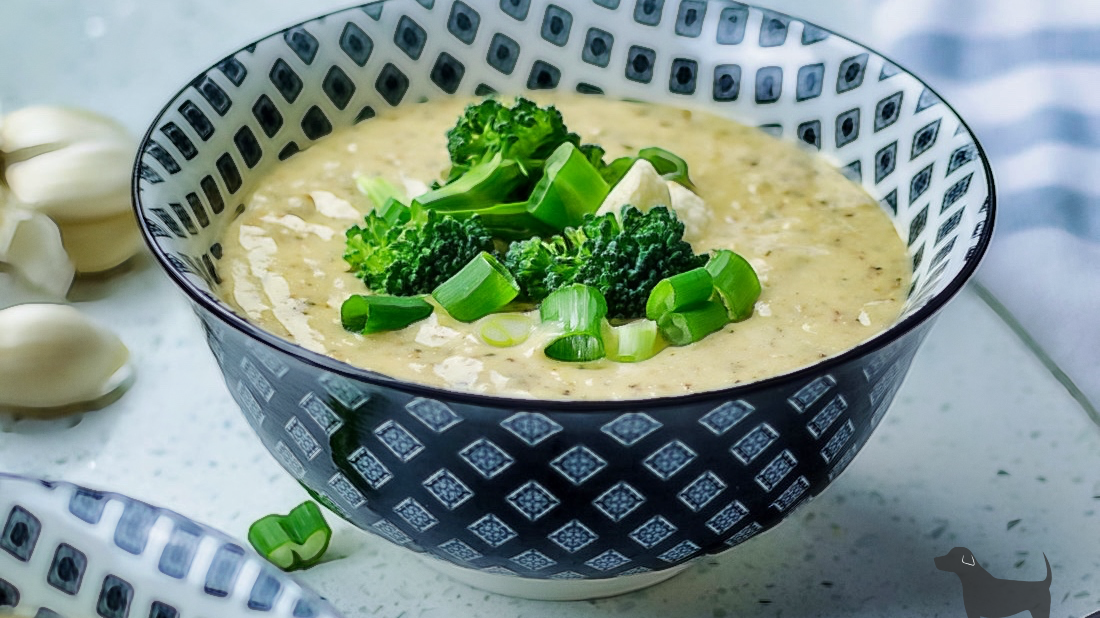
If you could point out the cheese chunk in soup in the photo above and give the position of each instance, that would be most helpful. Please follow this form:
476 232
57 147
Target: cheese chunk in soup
833 270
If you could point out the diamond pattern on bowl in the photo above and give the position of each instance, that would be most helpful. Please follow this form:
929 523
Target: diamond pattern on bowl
369 467
399 440
448 489
436 415
628 429
579 464
666 461
608 560
492 531
487 458
619 501
533 500
724 417
702 490
533 560
652 532
573 536
531 427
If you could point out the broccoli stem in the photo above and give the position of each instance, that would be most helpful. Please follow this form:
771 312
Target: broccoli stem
579 310
379 190
480 288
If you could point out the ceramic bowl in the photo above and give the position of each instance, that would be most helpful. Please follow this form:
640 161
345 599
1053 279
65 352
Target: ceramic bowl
72 551
556 499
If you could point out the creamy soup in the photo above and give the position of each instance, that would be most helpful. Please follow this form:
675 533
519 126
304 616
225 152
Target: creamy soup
833 270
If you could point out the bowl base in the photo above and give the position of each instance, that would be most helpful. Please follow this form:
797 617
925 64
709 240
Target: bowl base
552 589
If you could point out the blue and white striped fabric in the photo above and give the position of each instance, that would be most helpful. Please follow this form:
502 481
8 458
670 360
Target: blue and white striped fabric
1026 76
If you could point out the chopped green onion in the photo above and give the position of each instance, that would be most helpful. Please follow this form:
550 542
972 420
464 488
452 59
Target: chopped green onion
480 288
294 541
736 282
484 184
693 323
634 341
379 190
579 309
509 221
668 165
376 313
504 330
393 211
678 291
569 189
615 170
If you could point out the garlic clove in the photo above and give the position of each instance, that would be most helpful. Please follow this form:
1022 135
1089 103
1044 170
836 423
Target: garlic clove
690 208
641 187
80 181
52 356
101 244
30 244
29 131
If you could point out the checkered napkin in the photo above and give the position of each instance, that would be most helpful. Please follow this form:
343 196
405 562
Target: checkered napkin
1025 75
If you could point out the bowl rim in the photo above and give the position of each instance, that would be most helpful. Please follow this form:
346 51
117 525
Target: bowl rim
882 339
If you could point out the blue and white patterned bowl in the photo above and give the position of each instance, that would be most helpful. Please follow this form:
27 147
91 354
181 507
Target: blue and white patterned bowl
68 551
549 498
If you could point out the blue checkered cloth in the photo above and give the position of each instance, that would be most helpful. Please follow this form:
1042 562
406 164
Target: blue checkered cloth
1026 76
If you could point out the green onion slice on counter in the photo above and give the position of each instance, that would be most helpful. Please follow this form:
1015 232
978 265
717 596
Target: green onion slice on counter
293 541
679 291
579 309
693 323
736 282
480 288
376 313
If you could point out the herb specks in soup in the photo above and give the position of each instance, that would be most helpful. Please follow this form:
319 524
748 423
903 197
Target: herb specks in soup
834 271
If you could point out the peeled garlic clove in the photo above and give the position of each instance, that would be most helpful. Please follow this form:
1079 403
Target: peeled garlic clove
78 182
30 244
101 244
31 130
690 209
641 187
51 356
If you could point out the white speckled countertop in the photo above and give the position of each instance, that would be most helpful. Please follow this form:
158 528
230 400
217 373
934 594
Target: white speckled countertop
983 447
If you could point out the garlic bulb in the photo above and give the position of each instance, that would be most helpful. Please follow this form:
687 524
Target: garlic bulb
52 357
74 166
31 245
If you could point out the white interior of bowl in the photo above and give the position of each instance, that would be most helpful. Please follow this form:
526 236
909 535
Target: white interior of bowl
880 125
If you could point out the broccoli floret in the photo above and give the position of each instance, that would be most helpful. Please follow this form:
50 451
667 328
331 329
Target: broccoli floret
623 260
541 265
524 133
498 154
416 253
